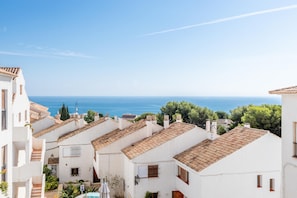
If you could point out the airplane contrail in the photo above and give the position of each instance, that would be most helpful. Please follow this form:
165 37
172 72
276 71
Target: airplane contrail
221 20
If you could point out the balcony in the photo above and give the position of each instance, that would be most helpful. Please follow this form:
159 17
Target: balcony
34 167
21 134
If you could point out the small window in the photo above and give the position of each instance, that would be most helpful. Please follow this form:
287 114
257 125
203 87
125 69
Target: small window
259 181
152 171
26 116
4 113
74 172
20 117
21 89
183 174
272 184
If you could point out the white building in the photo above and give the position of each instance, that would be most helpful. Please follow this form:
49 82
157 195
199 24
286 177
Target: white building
289 140
149 165
21 154
242 163
108 161
76 151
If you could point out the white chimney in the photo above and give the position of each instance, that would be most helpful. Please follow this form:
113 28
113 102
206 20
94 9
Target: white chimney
166 121
96 117
207 128
247 125
212 134
214 127
178 118
149 128
121 127
154 119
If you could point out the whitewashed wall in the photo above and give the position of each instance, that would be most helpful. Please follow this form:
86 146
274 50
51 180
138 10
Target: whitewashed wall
6 135
236 175
289 164
111 157
85 161
163 157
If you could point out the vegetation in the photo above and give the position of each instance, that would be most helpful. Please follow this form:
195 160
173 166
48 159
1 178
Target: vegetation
267 117
189 112
51 181
3 184
72 189
64 112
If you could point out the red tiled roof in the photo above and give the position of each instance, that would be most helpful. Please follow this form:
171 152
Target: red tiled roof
157 139
117 134
208 152
80 130
287 90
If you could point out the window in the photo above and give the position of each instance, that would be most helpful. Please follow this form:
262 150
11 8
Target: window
259 181
148 171
295 139
21 89
4 106
272 184
74 172
26 116
20 117
72 151
183 174
152 171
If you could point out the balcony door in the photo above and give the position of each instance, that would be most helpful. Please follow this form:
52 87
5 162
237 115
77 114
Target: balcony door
177 194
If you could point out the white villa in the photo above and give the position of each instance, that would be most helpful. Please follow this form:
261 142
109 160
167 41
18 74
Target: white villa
108 160
149 165
243 163
21 157
289 140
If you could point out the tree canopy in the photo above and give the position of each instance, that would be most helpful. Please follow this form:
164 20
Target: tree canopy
64 112
189 112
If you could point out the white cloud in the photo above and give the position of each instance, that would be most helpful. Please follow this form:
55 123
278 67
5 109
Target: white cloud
221 20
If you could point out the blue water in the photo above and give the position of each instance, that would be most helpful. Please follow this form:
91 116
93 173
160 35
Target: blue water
117 106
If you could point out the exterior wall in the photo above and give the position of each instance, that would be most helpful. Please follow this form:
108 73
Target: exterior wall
6 135
163 157
110 157
42 124
129 174
21 105
52 137
84 162
289 163
237 173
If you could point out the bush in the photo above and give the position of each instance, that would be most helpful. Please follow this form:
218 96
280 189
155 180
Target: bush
3 187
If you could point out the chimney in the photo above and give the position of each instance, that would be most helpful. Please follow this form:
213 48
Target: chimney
212 134
154 119
121 127
96 117
149 125
214 127
207 127
247 125
178 118
166 121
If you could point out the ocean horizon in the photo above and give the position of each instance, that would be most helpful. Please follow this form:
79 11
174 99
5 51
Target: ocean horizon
119 105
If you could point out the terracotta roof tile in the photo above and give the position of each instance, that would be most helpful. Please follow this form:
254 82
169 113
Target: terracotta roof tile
77 131
208 152
157 139
3 71
13 70
117 134
287 90
55 126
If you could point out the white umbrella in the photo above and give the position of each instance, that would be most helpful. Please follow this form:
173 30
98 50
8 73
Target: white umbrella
104 190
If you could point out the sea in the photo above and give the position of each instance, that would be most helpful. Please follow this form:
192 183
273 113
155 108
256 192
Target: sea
118 105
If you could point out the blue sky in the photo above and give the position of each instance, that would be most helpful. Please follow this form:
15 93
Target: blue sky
150 48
